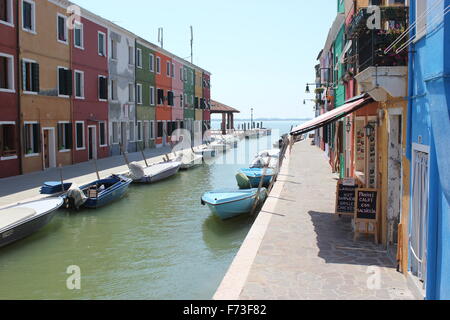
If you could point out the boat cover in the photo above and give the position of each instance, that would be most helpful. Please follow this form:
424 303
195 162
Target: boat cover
77 196
14 215
136 171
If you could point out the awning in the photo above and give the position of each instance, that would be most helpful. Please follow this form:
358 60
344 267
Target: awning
332 116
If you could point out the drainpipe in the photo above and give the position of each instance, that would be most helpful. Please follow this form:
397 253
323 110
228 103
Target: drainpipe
18 91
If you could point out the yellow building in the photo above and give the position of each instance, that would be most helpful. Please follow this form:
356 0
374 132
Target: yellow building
46 79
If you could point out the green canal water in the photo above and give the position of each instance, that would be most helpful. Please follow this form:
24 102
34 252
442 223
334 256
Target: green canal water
158 242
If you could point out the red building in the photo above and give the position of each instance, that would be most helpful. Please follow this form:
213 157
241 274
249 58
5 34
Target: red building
10 152
165 98
90 90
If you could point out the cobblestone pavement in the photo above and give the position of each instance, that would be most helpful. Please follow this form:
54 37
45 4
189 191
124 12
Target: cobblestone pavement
309 253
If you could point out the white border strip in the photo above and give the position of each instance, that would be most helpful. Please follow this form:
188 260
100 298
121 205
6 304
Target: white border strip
236 276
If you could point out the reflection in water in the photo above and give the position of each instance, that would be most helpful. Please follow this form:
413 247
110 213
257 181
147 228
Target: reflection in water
157 242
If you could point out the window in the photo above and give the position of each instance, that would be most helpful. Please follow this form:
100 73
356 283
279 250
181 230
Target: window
168 68
28 16
139 93
181 101
196 102
158 65
131 128
152 96
185 100
421 18
192 100
114 96
78 34
181 74
6 73
79 84
103 134
32 141
102 88
139 58
115 132
7 140
6 12
139 130
160 96
64 136
160 129
152 130
185 75
79 134
152 62
131 56
172 71
113 49
101 44
64 82
30 76
62 28
131 92
170 98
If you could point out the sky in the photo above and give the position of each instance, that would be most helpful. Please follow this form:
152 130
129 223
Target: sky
261 53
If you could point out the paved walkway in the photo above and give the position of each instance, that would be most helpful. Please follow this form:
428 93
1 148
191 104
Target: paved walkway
299 250
26 187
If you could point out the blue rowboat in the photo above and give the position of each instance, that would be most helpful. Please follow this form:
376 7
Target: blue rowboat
228 204
102 192
255 175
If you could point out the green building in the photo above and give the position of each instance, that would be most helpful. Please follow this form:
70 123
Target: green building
145 94
189 94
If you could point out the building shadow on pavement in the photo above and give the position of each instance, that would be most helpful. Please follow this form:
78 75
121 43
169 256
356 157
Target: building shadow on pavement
336 245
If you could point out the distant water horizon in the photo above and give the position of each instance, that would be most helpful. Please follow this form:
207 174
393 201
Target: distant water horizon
279 127
268 119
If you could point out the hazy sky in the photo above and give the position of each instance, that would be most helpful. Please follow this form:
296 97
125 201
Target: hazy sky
261 53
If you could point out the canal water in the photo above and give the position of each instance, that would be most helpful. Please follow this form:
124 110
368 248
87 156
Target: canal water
156 243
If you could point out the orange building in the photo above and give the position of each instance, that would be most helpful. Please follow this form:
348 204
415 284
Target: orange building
46 85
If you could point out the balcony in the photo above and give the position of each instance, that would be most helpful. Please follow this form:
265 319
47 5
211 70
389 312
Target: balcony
378 73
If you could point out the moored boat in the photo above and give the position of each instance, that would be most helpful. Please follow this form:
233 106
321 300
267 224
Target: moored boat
228 204
98 193
256 174
190 160
153 173
21 220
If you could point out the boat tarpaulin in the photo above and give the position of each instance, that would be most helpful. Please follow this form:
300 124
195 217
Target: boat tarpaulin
331 116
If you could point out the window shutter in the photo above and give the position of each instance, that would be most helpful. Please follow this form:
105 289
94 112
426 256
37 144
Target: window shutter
69 136
35 75
69 83
60 127
24 76
61 81
37 137
3 11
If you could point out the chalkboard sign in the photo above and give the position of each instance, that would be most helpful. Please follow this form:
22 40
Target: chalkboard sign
366 204
345 199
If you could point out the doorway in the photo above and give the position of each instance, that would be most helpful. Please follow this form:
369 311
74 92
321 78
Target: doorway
419 215
92 142
49 148
395 170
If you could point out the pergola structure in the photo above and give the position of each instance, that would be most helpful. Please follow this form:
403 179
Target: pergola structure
227 115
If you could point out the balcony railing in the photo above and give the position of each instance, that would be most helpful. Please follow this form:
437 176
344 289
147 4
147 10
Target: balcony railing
369 45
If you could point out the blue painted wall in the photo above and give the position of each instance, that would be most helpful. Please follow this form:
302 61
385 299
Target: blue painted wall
429 119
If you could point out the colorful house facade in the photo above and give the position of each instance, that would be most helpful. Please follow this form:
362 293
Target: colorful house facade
10 129
145 93
164 97
122 107
46 81
189 93
178 92
428 149
89 62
